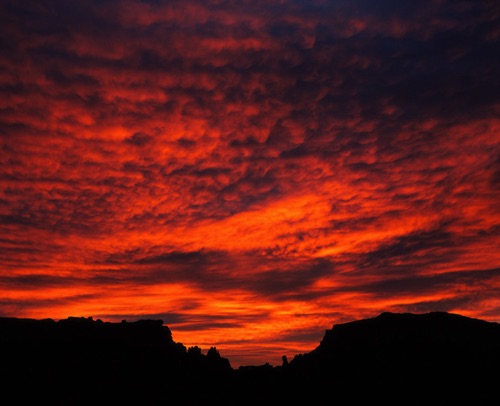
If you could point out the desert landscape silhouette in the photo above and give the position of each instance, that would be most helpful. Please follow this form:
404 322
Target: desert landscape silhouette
394 358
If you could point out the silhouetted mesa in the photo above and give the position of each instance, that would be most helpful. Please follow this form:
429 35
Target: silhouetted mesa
403 359
406 359
79 360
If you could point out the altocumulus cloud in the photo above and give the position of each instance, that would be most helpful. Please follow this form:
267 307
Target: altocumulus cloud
249 169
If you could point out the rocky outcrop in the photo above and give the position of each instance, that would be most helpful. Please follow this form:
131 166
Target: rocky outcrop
81 361
411 359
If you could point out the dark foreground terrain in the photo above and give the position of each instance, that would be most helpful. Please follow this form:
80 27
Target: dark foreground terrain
398 359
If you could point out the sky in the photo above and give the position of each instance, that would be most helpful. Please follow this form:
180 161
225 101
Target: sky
250 172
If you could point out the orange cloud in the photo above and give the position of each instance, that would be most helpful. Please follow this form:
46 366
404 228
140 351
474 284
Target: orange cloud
249 173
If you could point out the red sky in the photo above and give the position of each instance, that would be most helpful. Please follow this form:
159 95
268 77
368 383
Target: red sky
250 172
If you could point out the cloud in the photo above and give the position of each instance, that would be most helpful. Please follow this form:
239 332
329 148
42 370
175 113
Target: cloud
248 158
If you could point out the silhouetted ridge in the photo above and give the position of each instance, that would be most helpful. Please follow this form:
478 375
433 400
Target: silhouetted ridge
79 360
398 359
406 359
388 329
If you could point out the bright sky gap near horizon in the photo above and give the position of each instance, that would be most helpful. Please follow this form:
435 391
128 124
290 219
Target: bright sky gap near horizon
250 172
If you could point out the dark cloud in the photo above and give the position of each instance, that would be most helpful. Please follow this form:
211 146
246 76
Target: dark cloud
177 258
415 284
286 284
31 305
139 139
413 245
37 281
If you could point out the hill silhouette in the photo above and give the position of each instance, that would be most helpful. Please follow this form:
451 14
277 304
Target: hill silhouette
405 359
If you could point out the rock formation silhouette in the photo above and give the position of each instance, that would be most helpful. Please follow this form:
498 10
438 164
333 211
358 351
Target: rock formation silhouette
79 361
398 359
405 359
